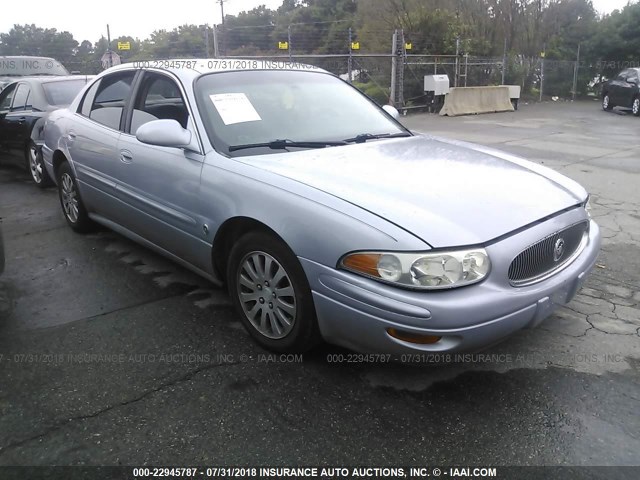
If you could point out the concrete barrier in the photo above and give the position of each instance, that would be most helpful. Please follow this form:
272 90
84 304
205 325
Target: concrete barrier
469 100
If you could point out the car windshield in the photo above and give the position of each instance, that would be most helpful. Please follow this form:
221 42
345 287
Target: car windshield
245 108
62 92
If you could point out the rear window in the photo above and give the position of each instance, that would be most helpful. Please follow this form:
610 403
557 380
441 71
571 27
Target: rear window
62 93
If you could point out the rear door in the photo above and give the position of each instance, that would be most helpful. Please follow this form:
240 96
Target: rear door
630 89
92 141
18 122
6 98
619 90
161 185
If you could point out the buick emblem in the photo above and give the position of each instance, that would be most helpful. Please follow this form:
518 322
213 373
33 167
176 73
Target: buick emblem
558 249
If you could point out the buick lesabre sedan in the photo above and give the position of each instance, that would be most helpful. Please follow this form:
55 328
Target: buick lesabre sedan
325 217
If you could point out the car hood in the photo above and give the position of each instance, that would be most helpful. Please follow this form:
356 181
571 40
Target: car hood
445 192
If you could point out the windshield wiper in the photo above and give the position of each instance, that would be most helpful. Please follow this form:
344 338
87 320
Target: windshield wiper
363 137
284 144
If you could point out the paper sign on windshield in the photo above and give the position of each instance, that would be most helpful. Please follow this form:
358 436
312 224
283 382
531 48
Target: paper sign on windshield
234 108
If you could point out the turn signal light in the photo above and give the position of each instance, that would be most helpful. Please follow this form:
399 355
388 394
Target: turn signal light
366 263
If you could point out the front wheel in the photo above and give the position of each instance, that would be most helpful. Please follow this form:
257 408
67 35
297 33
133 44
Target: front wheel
74 211
606 102
270 291
635 107
35 162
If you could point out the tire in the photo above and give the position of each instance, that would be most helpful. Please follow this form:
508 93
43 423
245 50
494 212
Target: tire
635 107
606 103
72 207
35 164
280 316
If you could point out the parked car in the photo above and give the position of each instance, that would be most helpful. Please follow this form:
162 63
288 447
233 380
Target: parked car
24 108
623 91
14 67
325 216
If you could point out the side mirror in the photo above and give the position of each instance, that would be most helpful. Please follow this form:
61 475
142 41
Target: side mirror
391 111
164 133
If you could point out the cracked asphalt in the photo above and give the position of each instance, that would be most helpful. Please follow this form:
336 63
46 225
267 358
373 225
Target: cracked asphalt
112 355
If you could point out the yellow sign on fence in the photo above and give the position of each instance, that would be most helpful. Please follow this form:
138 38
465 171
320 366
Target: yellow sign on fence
408 46
355 45
283 45
124 45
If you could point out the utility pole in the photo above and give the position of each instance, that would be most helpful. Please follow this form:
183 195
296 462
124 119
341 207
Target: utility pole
289 41
221 2
109 47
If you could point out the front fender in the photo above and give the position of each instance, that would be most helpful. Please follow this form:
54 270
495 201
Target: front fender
314 224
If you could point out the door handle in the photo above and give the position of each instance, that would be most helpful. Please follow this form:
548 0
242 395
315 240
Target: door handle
126 156
71 136
22 119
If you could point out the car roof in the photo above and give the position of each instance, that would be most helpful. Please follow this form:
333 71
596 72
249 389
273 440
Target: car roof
12 57
45 79
192 67
54 78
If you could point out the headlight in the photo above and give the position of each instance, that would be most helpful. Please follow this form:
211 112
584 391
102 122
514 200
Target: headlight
425 271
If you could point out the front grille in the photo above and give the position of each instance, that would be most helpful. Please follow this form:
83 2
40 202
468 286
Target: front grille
548 255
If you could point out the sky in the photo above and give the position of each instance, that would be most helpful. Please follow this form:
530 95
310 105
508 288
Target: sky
140 18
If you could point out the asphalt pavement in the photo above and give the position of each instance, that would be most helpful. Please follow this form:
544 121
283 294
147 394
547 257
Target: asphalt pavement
112 355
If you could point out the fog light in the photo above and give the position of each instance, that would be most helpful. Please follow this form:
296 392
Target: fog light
412 337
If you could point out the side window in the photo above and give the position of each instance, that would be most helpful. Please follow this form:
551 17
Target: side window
20 98
622 76
158 98
85 107
6 96
111 96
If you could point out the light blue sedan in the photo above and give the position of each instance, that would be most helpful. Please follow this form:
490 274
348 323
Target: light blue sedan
325 217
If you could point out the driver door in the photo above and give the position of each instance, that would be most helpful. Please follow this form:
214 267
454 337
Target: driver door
161 185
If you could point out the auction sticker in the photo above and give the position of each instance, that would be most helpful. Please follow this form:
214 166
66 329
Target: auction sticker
234 108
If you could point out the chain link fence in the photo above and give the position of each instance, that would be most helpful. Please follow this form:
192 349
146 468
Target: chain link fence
388 65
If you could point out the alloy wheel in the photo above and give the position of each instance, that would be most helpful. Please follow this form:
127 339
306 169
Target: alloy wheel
266 295
34 165
635 108
69 197
605 102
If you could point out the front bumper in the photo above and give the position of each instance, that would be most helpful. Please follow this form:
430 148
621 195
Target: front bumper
355 312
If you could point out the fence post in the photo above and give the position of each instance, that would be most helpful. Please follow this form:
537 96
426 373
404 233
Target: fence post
350 61
206 39
394 67
456 70
216 52
504 60
544 48
289 42
402 54
575 74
